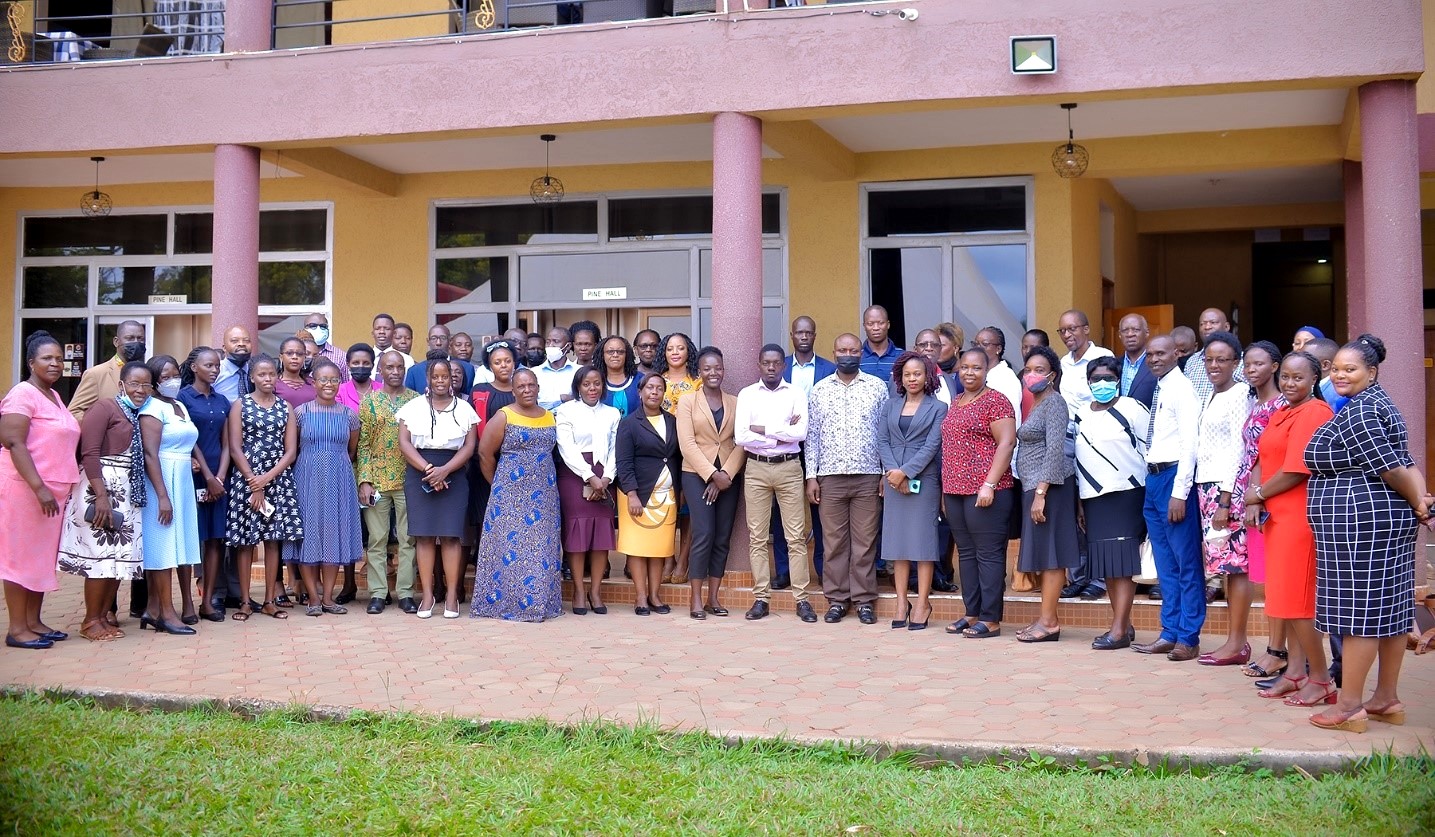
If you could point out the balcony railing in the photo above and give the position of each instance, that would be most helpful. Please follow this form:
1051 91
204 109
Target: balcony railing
133 29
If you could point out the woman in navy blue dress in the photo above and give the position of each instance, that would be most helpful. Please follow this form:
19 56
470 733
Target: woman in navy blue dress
1366 501
210 413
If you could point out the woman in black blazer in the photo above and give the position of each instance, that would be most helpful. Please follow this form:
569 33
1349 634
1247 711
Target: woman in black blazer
909 440
649 465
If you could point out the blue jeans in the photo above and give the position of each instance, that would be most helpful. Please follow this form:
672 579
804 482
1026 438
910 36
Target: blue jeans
779 543
1177 550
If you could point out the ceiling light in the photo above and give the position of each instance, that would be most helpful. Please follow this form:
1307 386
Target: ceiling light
96 204
1033 54
546 189
1070 159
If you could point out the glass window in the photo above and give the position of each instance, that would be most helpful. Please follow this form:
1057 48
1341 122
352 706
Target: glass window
493 226
113 235
771 272
652 274
477 326
71 332
194 232
672 217
989 288
280 231
907 282
477 280
135 285
945 211
291 283
56 287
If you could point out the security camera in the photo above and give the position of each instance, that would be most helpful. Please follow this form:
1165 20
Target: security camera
907 14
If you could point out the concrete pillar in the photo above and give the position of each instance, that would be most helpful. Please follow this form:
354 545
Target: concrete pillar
1394 285
1356 318
737 244
236 240
248 25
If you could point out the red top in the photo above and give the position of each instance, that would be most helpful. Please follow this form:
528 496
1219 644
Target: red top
1282 448
968 446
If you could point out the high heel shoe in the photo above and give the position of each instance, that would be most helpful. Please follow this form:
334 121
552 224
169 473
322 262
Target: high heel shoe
914 625
898 624
1297 683
161 626
1391 713
189 620
427 612
1328 698
1351 721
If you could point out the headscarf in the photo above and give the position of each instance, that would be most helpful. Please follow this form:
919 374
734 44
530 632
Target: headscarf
1313 331
137 491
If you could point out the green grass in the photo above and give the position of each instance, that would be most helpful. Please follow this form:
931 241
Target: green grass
68 767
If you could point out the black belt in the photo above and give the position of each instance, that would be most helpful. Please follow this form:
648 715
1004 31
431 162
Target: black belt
784 457
1158 467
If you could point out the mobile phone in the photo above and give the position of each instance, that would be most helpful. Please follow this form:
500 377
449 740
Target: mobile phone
374 499
266 510
201 495
914 486
1262 517
428 489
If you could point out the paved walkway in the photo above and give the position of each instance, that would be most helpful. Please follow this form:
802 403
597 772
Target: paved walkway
774 677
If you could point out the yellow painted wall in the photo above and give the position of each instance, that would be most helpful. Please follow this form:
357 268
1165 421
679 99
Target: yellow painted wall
391 30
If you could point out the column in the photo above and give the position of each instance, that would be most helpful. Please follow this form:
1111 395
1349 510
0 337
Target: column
236 240
248 25
737 244
1356 319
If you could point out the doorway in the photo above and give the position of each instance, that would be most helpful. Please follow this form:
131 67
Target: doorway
1292 285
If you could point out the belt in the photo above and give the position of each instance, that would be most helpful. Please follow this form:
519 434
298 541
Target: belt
1158 467
782 457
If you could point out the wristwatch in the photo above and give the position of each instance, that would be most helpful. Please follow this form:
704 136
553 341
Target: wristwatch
1040 492
991 485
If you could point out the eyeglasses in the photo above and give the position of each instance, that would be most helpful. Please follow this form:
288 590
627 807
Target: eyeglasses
1069 329
327 381
615 352
293 354
646 346
927 344
1095 378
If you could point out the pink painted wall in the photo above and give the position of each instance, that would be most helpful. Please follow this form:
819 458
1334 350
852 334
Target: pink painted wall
814 57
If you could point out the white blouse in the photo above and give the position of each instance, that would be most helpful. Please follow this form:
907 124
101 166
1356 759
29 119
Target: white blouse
1111 448
1218 440
592 430
431 429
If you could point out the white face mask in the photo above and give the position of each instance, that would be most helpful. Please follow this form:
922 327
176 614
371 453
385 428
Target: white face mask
169 388
554 353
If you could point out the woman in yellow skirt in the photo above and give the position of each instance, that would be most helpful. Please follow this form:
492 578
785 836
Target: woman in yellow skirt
648 466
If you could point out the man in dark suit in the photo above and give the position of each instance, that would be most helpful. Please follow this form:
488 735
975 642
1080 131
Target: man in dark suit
803 369
1137 380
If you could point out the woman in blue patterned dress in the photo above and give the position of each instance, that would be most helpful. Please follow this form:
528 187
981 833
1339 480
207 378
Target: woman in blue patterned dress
1366 500
520 552
328 496
170 518
263 502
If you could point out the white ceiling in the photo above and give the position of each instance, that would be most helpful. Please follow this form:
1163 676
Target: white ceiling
1254 187
1123 118
141 168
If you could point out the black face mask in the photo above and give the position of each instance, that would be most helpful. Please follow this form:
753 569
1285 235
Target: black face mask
537 358
130 352
848 363
947 365
238 358
361 373
307 367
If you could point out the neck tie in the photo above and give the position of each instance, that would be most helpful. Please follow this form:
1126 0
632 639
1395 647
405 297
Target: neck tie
1151 427
243 376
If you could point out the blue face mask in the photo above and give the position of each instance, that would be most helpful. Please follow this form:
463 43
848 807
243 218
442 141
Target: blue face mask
1104 391
133 405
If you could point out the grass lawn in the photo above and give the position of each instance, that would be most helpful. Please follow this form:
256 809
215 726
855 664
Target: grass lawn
71 768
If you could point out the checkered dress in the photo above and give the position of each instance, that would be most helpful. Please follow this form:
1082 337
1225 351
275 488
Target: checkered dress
1364 531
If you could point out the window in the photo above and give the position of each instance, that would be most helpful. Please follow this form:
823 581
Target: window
66 286
683 216
135 285
946 211
530 223
112 235
280 231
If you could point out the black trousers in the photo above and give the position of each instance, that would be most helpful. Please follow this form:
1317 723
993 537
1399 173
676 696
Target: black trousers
981 536
712 526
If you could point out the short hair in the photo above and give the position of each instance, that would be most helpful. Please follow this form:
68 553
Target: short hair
583 372
1224 337
1370 347
1041 336
650 376
1323 348
1184 333
532 335
524 370
405 327
568 335
359 349
869 309
1079 314
953 332
1051 359
1269 348
1109 362
771 347
259 360
378 317
1001 335
714 351
639 335
157 364
133 365
661 363
928 366
323 363
287 340
588 326
979 351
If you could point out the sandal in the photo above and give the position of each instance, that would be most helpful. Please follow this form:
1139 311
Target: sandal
335 609
1252 669
1038 633
959 625
97 626
1351 721
282 600
272 610
981 631
1297 683
243 613
1391 713
314 610
1329 697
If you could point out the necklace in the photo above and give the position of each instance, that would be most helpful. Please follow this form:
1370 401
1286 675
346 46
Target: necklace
967 399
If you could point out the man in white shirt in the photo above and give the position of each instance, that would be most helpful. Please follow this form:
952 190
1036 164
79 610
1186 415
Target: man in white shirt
555 376
1212 320
1075 331
1000 376
771 425
844 479
383 332
1173 522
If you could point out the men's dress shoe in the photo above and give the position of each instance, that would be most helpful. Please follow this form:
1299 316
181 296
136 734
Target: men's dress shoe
376 605
1072 590
33 644
782 582
943 586
1091 593
1213 592
1181 653
866 614
757 611
805 612
1154 594
1159 646
408 605
834 614
1106 643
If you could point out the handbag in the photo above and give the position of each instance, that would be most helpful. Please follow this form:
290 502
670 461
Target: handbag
1023 582
117 518
1148 564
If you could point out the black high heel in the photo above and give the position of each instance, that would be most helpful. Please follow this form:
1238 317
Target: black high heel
898 624
161 626
189 620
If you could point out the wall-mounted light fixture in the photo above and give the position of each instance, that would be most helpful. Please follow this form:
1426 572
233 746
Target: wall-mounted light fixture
1033 54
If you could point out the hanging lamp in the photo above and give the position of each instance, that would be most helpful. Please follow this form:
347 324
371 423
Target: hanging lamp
1070 159
96 204
546 189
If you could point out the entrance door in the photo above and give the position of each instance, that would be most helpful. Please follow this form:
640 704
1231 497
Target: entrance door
1292 285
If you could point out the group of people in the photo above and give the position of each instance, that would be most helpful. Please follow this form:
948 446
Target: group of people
537 455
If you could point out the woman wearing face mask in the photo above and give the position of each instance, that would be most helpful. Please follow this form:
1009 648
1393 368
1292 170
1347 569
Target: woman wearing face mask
360 359
328 496
105 549
171 516
1219 449
210 412
293 384
1111 476
1048 527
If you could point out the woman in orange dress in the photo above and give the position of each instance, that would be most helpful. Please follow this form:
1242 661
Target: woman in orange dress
1278 487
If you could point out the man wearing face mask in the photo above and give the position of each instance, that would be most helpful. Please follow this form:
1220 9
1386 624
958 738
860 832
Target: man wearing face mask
533 356
318 327
102 381
555 376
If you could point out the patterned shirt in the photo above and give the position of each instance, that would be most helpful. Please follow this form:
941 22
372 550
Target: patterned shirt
677 389
380 462
968 446
842 423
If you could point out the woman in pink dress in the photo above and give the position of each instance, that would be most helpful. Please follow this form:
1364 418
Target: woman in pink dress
37 472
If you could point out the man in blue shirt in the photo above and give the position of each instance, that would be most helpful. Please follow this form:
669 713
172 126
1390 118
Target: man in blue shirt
803 368
1136 378
1323 349
417 377
878 352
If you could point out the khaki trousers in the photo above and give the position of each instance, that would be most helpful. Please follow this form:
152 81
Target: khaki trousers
762 482
376 518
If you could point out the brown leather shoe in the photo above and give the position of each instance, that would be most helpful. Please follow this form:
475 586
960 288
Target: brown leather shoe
1182 653
1160 646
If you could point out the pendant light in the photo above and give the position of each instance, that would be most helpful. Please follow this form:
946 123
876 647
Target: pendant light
96 204
546 189
1070 159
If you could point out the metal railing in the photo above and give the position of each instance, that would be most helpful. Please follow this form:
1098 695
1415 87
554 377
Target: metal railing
173 27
